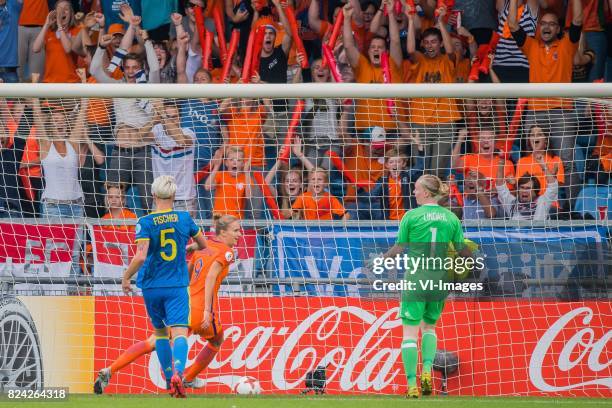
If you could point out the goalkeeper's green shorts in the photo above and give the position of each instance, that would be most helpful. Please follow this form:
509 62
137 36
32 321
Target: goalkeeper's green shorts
412 313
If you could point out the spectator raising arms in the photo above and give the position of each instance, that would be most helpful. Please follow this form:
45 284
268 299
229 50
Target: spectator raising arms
373 112
485 162
167 63
232 185
273 65
244 129
14 129
290 185
464 48
530 165
60 40
528 204
551 60
61 158
488 113
202 116
130 161
317 203
510 64
478 201
433 118
244 124
173 154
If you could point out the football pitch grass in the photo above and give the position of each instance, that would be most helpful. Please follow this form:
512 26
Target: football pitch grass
295 401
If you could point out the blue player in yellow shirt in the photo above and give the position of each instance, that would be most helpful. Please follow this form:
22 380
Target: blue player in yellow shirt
160 261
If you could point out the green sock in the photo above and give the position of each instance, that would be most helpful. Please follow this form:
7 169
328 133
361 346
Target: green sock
410 357
428 350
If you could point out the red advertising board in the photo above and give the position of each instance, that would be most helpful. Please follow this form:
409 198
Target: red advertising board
504 348
31 250
36 243
113 248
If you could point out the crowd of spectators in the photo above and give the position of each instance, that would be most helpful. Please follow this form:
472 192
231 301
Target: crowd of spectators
349 159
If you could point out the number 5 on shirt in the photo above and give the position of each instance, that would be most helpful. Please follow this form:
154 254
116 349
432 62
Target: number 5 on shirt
164 244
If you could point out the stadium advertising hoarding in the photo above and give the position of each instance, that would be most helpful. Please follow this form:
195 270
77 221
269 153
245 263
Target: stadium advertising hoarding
514 347
504 347
47 341
112 250
34 251
509 256
30 250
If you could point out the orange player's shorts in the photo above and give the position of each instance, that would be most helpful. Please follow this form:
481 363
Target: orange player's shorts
196 322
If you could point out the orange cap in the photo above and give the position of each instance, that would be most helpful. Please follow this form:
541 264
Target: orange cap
116 29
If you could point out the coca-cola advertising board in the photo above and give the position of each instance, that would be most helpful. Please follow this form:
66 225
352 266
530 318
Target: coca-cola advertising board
513 347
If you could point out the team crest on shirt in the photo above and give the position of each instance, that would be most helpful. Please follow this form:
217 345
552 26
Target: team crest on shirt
240 186
555 55
229 256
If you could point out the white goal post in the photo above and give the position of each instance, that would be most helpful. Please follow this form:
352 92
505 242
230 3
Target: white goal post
320 177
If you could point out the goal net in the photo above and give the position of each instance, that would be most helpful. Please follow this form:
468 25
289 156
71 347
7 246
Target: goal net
320 177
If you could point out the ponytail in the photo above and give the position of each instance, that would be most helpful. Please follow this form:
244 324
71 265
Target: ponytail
436 187
223 222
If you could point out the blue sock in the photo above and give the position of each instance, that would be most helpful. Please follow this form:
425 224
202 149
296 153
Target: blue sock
179 354
164 354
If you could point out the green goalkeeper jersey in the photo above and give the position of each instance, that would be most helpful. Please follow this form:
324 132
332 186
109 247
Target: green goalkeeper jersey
428 230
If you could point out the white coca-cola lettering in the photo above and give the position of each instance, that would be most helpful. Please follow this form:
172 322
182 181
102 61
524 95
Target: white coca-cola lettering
373 355
584 338
255 357
364 365
364 377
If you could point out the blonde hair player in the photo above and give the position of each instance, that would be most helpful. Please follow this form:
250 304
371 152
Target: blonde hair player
212 264
160 260
426 230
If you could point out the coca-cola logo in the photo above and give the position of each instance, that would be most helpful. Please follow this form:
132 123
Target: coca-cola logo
278 340
580 347
367 363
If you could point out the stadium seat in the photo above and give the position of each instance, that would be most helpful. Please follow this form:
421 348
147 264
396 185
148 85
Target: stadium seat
591 198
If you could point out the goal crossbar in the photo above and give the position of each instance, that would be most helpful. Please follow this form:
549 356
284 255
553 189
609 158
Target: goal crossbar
311 90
